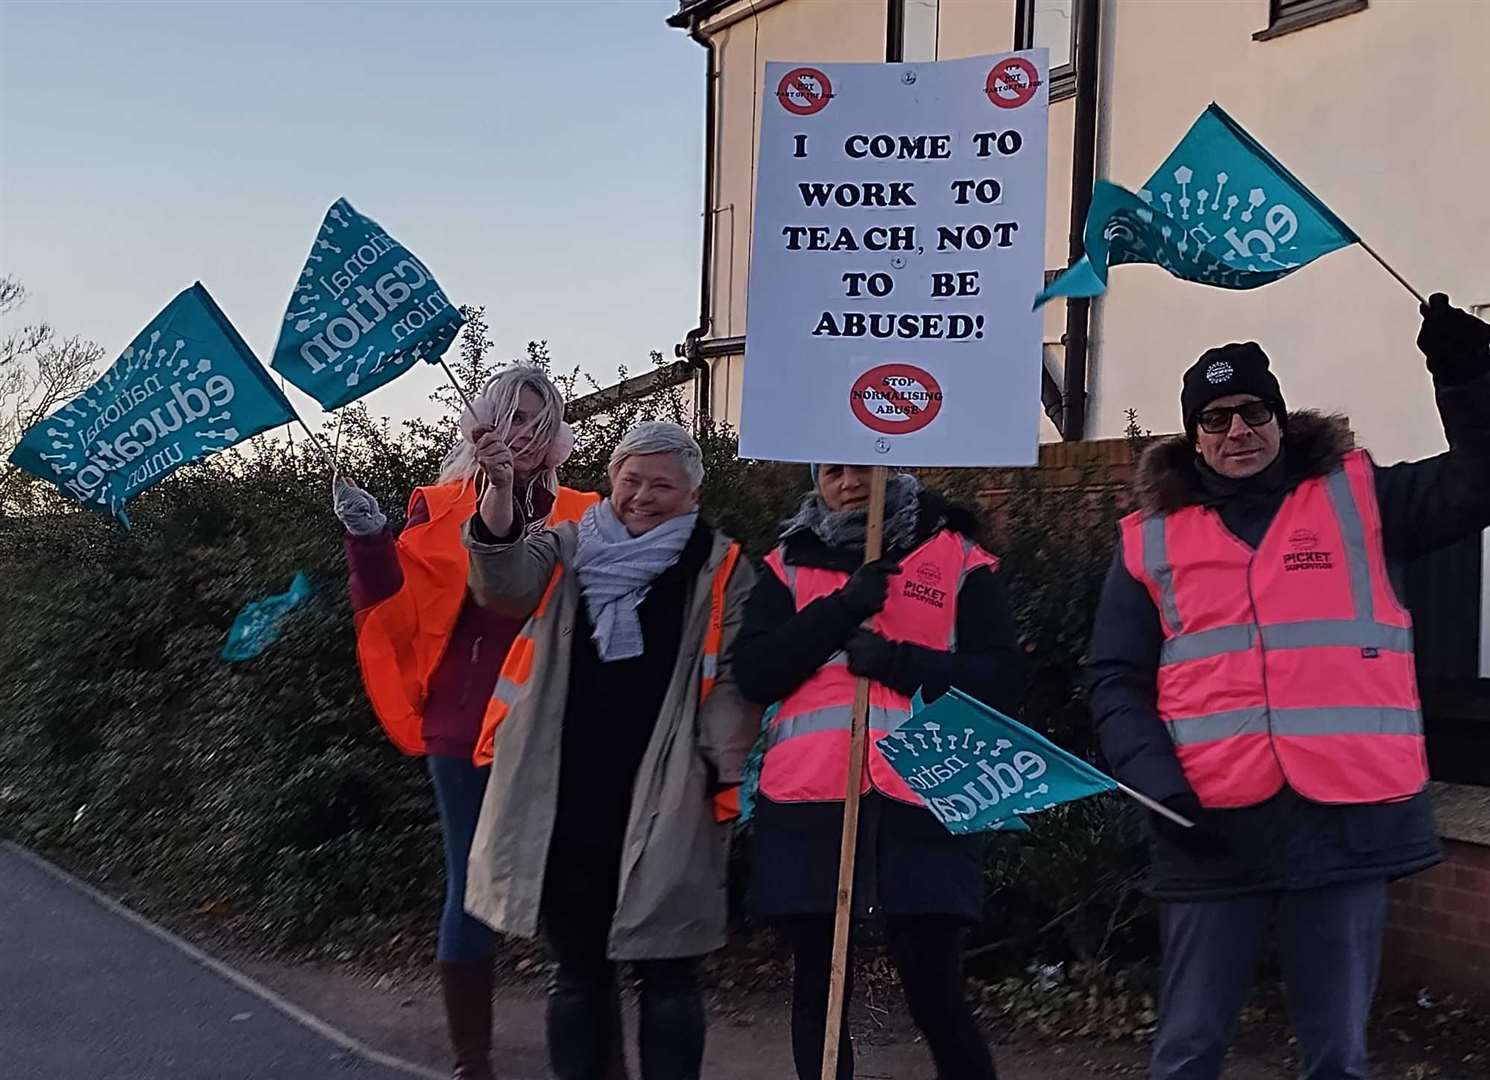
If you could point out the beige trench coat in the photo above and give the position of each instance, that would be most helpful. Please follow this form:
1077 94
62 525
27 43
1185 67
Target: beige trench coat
671 901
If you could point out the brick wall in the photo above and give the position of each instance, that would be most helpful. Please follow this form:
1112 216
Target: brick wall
1092 463
1438 925
1085 472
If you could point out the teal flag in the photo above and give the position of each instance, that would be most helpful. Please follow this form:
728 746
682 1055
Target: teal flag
364 310
185 388
260 623
750 784
1220 211
978 770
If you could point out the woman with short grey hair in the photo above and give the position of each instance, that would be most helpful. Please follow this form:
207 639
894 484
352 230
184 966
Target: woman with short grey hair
617 740
656 437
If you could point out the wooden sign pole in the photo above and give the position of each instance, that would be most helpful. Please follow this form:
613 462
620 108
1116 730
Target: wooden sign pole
843 915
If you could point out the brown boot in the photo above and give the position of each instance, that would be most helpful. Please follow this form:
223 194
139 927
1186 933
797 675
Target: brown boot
468 988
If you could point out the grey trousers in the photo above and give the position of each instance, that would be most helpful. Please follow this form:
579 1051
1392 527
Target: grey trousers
1330 940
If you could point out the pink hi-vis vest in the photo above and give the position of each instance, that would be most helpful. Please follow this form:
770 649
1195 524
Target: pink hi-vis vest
1291 664
807 744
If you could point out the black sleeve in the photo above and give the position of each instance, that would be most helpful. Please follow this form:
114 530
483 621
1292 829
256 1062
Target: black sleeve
1429 504
987 663
780 647
1122 677
482 535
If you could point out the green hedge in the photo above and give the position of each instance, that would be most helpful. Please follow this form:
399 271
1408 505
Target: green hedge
265 794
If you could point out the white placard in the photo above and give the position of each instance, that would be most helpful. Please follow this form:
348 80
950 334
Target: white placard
899 242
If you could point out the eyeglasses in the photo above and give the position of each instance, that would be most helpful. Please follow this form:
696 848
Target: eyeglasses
1253 413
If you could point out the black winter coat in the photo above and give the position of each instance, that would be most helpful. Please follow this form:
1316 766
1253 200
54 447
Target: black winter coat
907 862
1286 842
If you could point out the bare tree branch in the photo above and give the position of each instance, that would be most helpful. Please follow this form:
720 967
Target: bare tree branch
38 369
12 294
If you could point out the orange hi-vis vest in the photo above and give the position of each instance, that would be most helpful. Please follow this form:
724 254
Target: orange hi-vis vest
807 742
1291 664
512 684
401 640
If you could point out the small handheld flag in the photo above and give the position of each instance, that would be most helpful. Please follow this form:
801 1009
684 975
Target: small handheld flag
364 310
185 388
978 770
260 623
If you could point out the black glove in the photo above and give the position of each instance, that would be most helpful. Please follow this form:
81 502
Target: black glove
871 656
1203 840
1456 343
869 588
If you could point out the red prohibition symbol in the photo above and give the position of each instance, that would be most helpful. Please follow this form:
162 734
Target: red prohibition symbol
1006 89
895 399
804 91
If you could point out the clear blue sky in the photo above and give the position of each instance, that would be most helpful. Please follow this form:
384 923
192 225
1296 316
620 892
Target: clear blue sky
542 157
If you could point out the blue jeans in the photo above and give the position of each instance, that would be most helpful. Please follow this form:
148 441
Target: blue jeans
459 788
1330 941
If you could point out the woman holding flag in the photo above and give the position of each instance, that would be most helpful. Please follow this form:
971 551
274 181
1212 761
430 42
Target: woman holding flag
930 615
430 656
617 737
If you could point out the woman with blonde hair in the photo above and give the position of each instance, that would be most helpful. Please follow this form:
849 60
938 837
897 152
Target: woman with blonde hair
430 656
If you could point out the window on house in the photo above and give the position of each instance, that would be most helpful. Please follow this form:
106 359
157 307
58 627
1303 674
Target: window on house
1050 24
1286 16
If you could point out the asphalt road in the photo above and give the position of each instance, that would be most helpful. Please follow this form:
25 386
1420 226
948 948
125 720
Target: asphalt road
90 992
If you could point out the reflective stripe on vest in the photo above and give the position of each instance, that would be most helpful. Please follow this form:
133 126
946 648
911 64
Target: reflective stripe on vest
401 640
833 718
1255 690
807 741
714 636
518 668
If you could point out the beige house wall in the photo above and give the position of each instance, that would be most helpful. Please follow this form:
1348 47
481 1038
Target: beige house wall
1385 114
829 31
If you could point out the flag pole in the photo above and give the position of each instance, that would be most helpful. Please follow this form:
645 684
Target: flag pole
843 915
319 445
1389 269
336 451
453 382
1157 807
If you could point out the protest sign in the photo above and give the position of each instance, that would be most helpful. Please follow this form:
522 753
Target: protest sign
899 233
364 310
186 387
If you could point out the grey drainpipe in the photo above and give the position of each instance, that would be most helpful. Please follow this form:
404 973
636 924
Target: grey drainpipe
688 350
1083 172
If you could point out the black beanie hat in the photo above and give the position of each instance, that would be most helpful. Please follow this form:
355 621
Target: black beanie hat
1238 368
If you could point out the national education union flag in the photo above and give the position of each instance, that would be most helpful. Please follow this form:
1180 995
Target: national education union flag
187 387
979 771
364 310
1220 211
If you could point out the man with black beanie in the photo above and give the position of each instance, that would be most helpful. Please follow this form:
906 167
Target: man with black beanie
1251 668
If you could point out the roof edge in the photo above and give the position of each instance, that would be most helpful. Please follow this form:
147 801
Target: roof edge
691 10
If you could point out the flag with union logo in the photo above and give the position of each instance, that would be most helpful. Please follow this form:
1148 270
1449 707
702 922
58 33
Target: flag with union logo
185 388
1220 211
363 312
977 770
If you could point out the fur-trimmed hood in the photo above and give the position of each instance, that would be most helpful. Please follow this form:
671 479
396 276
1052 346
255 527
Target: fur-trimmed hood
1314 444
